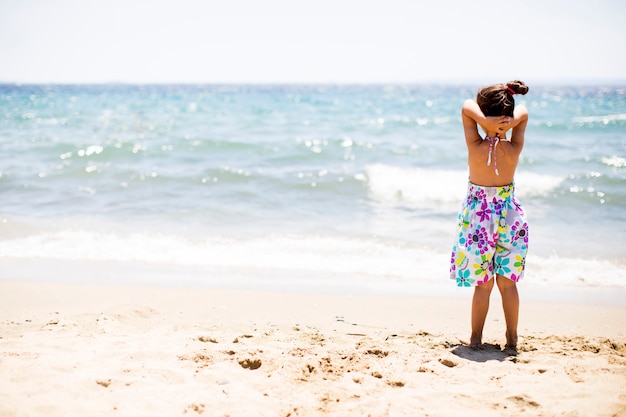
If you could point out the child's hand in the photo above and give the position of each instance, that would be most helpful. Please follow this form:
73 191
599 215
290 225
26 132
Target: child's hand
498 124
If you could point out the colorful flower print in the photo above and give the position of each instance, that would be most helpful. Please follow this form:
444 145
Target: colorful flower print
492 237
519 231
463 279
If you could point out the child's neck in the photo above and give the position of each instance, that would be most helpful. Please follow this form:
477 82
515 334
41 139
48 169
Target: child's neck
489 134
495 134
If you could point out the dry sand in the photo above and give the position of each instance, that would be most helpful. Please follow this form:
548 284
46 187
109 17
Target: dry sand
72 350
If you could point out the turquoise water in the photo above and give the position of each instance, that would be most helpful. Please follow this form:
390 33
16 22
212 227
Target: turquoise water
316 182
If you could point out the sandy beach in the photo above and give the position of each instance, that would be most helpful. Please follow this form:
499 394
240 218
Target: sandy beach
81 350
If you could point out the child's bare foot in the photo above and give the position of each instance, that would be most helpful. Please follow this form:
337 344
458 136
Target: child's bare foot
511 340
510 350
476 340
473 343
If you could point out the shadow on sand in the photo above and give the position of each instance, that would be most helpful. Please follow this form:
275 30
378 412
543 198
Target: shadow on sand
485 352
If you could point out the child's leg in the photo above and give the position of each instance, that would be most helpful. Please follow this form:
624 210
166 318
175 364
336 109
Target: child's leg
510 305
480 307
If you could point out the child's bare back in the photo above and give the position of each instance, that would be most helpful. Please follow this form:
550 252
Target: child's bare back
499 167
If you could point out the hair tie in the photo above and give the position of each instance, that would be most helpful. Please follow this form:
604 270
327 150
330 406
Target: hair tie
510 90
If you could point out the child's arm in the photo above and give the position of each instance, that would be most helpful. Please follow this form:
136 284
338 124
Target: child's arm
520 120
498 124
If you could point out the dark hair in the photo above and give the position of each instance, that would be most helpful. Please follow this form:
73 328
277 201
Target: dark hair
497 99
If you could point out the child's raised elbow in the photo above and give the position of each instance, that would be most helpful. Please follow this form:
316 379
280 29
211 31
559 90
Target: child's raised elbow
469 107
520 113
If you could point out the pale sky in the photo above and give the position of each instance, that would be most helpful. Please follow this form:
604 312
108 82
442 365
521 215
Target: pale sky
317 41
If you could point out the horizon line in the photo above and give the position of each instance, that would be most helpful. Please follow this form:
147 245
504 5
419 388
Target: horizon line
595 81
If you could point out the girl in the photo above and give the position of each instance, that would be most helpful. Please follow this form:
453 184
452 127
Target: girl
492 233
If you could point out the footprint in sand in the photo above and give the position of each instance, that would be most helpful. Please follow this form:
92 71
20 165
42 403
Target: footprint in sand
201 359
197 407
448 363
573 374
522 400
244 336
377 352
250 364
207 339
104 382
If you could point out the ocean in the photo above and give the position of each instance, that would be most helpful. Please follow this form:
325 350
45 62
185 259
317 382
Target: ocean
352 188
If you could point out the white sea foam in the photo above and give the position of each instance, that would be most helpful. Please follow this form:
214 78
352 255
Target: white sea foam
322 254
554 271
442 189
609 118
348 260
429 188
615 161
533 184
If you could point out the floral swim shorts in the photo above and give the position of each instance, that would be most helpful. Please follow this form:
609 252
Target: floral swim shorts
492 237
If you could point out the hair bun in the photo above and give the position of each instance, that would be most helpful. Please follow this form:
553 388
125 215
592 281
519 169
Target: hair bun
518 86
